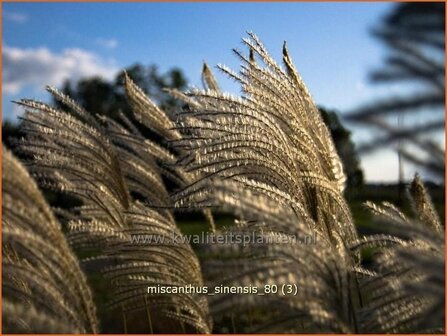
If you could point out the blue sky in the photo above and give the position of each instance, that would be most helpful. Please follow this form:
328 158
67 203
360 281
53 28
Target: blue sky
44 43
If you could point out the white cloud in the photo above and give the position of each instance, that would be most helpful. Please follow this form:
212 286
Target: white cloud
40 66
15 17
107 43
381 166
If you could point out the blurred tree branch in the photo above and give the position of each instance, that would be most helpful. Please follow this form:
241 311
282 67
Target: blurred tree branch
414 35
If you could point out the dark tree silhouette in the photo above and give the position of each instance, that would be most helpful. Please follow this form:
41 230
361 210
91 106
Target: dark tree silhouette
345 148
108 98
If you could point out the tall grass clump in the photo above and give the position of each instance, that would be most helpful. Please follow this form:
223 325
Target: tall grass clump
268 156
268 159
99 162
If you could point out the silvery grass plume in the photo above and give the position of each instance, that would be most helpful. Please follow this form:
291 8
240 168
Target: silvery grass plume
104 165
44 289
406 293
324 301
403 292
148 114
271 141
268 157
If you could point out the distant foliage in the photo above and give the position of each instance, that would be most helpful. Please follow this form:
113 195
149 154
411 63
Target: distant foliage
108 97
